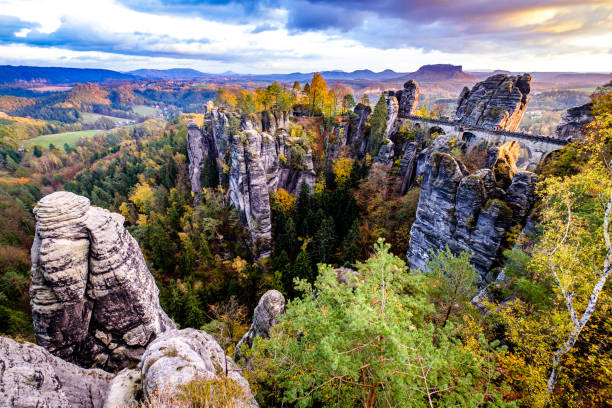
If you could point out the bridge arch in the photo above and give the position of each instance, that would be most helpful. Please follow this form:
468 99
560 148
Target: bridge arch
435 129
468 137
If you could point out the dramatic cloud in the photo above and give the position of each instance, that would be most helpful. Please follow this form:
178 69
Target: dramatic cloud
10 26
284 35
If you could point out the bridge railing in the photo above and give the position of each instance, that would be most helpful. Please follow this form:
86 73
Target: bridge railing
518 135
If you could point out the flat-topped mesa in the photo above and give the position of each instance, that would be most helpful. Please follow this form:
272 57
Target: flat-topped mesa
572 123
497 103
94 301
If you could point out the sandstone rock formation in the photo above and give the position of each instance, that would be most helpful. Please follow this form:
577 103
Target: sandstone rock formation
408 99
253 163
572 122
124 390
498 102
362 112
199 149
392 112
31 377
248 189
407 168
466 211
178 357
270 306
94 302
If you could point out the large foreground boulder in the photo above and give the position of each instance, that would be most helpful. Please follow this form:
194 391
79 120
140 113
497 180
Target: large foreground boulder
31 377
94 301
179 357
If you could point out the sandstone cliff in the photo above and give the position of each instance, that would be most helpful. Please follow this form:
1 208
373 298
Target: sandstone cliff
466 211
572 122
498 102
94 302
252 162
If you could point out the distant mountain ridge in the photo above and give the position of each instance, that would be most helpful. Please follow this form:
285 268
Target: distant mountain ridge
453 74
185 74
58 75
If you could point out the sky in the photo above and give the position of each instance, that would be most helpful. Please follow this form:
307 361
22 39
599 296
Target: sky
282 36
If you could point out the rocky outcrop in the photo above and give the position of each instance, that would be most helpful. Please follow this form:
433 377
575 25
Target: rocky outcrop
270 306
572 122
408 99
466 211
251 162
407 168
273 121
362 112
200 152
31 377
178 357
248 183
392 111
295 162
498 102
94 302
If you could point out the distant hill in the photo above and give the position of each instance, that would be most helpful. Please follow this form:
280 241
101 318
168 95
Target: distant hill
57 75
177 74
186 74
439 72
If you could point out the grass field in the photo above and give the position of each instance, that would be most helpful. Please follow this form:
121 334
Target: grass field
144 110
58 139
88 117
589 90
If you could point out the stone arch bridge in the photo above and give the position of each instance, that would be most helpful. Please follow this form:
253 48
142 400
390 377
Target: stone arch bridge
536 147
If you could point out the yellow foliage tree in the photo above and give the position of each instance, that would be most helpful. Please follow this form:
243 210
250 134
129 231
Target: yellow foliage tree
318 92
143 197
283 200
342 171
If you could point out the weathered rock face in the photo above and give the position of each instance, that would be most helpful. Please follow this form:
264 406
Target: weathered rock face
408 99
272 121
178 357
572 121
248 189
31 377
297 166
407 167
94 302
498 102
392 111
270 306
362 112
199 150
252 162
466 211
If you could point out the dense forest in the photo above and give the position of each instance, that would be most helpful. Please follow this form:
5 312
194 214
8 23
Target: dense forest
541 339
